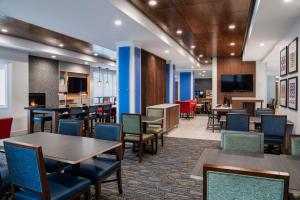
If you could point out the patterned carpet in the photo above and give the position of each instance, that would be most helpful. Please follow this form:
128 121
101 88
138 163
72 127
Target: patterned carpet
165 175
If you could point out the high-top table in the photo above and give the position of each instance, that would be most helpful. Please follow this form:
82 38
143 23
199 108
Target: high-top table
219 108
280 163
64 148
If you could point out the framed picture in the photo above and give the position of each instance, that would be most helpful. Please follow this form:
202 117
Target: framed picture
283 93
293 56
293 93
283 62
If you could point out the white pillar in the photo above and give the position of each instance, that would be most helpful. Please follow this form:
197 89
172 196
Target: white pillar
214 81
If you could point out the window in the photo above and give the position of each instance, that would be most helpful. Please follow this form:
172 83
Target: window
3 85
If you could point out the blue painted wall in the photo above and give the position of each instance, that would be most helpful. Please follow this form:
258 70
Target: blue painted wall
124 78
168 83
137 63
185 85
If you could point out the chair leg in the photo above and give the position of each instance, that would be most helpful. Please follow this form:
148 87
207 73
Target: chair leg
119 179
98 190
141 149
162 139
42 126
152 147
87 194
51 127
156 143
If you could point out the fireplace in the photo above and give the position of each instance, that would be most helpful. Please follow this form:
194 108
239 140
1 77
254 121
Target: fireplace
37 99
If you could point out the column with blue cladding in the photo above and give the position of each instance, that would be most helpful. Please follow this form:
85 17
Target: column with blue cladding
129 79
170 82
186 86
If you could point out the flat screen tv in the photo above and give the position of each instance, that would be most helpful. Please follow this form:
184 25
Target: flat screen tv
237 83
76 85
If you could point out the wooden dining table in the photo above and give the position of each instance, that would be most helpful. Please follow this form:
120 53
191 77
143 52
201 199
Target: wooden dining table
64 148
279 163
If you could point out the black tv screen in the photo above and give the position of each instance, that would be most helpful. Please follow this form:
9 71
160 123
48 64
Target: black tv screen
76 85
237 83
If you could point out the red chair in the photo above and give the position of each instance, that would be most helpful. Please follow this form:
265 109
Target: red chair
186 109
5 127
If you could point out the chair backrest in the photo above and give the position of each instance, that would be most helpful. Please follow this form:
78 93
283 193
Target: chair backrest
237 122
76 112
106 108
238 111
242 141
70 127
108 131
260 112
224 182
26 166
156 112
5 127
131 123
273 125
106 99
93 109
295 145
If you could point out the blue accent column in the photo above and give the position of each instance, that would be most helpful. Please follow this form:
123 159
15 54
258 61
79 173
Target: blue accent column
185 85
123 80
168 83
129 79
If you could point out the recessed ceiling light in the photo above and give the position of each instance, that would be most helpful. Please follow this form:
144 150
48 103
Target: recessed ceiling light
4 30
201 56
166 51
204 71
232 54
86 63
287 1
198 65
118 22
193 67
152 3
95 54
231 26
200 74
193 47
53 56
232 43
206 61
61 45
262 44
179 32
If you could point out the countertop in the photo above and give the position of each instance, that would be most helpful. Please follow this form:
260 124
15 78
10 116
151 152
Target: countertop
163 106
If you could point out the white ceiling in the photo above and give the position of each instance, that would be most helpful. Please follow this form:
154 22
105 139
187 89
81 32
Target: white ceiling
93 22
271 20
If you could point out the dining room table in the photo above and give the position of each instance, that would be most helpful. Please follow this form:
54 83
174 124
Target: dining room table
64 148
279 163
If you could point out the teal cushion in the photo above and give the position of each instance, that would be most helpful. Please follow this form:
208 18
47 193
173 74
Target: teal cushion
226 186
243 142
295 146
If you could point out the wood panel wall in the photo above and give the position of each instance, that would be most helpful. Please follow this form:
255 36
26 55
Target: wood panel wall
153 80
234 66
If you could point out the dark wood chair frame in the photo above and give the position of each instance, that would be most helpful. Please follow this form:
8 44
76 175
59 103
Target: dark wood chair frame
141 140
45 194
237 114
248 172
118 155
281 146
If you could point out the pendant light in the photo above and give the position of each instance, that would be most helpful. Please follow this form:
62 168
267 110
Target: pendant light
99 81
107 83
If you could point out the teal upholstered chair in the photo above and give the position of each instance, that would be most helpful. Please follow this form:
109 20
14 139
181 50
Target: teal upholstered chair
295 145
99 168
156 128
237 122
242 141
70 127
27 172
228 183
133 133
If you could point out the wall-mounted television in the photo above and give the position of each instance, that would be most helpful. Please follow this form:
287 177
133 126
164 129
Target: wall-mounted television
76 85
237 83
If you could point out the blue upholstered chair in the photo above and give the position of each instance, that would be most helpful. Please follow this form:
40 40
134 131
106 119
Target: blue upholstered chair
224 183
157 127
76 113
242 141
238 111
70 127
273 127
27 172
42 119
237 122
133 133
295 145
98 169
4 176
265 111
106 112
92 117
